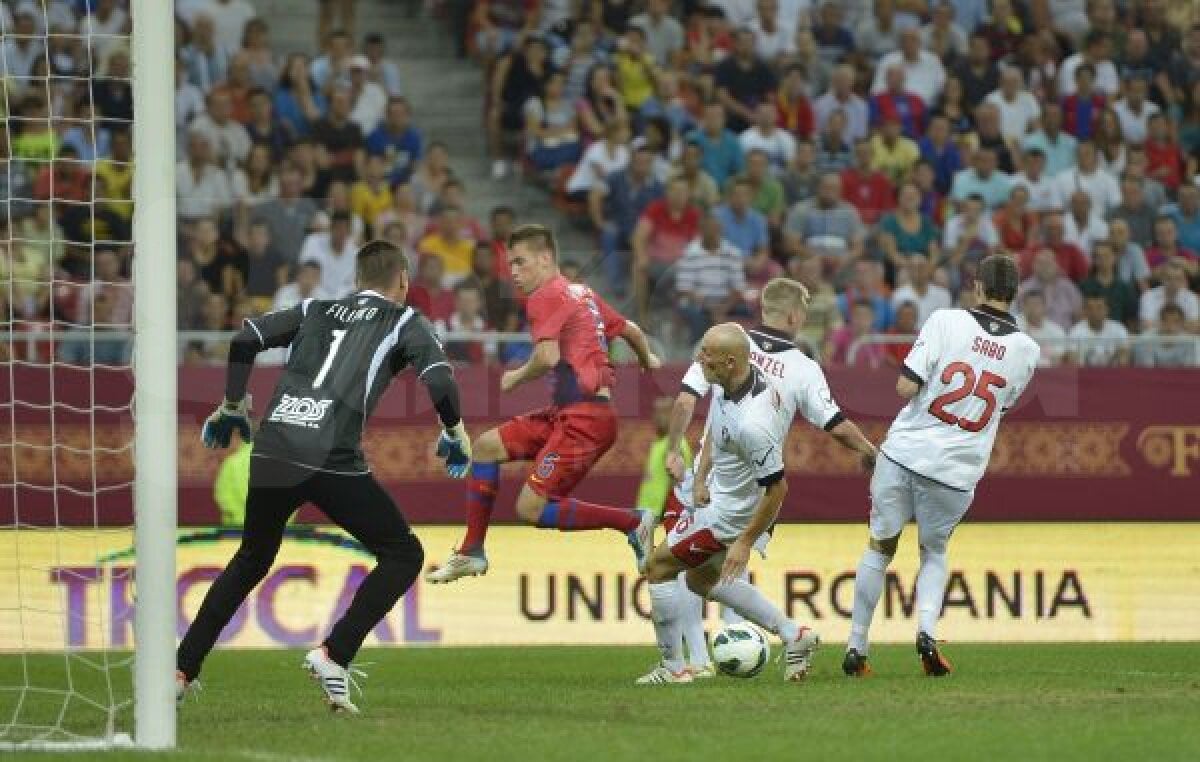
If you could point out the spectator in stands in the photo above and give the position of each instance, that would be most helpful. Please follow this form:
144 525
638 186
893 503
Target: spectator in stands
841 97
867 285
1166 247
1062 297
217 259
702 189
907 232
1165 160
1071 260
499 302
800 178
254 182
1083 105
662 233
743 82
635 69
262 126
551 127
1174 348
1185 213
1017 226
207 62
201 188
338 199
1135 109
709 279
896 103
861 326
833 153
266 268
577 60
498 25
939 149
287 217
333 65
1048 334
501 221
454 194
296 103
1080 226
869 190
778 145
722 152
1133 210
1174 290
1018 108
878 34
833 37
1094 57
905 326
1131 259
369 98
340 139
447 243
260 58
892 153
942 36
371 196
335 252
428 292
1041 190
601 105
982 179
396 140
1097 340
924 74
664 35
468 317
228 138
601 159
1121 297
1058 147
746 229
826 226
921 291
766 191
238 86
1089 177
793 107
615 207
977 72
382 70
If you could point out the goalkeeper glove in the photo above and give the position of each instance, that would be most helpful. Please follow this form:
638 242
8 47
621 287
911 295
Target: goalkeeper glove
454 447
218 429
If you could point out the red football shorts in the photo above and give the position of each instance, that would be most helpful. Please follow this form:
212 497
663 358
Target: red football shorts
563 443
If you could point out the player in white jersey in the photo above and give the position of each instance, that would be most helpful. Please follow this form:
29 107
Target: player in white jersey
784 304
744 452
966 369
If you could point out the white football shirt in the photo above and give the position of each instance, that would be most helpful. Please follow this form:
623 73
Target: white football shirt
972 365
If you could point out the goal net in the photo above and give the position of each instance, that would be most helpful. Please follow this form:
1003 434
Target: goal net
85 637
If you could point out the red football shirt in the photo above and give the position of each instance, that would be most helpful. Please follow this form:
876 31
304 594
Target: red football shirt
583 324
670 235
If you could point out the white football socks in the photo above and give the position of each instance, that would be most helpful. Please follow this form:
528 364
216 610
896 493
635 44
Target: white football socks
665 602
931 588
868 586
746 600
691 607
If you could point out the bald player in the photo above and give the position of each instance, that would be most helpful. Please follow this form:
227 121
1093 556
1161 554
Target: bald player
748 423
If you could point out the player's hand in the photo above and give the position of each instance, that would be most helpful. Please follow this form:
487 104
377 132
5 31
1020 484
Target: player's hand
868 461
218 429
454 447
675 466
700 491
736 559
652 362
509 380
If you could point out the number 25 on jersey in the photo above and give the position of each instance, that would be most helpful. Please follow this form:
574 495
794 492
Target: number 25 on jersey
971 385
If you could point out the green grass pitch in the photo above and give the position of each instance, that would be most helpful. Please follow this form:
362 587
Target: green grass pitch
1055 702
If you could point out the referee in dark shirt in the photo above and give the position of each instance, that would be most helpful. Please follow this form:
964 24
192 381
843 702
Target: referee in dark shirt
343 355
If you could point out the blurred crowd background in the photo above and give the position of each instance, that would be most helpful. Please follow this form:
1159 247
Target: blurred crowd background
875 150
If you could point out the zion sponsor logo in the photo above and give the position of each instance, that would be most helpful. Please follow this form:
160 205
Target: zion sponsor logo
300 411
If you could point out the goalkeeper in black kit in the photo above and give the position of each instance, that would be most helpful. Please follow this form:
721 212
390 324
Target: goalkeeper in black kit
343 354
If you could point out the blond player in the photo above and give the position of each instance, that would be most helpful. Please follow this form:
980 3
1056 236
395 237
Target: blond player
966 369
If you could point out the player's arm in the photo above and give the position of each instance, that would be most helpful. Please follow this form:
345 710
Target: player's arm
636 338
274 329
907 386
848 435
420 350
921 361
768 465
700 479
682 411
544 357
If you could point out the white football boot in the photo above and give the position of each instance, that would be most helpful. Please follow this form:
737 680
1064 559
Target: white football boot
457 566
703 673
334 679
797 655
660 675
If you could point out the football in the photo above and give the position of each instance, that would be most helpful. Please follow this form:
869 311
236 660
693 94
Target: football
740 650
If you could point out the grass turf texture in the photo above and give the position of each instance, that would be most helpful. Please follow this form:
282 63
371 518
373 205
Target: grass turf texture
1030 702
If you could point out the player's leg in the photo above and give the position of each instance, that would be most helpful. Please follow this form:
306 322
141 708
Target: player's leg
668 614
276 490
891 508
692 629
360 506
939 509
580 436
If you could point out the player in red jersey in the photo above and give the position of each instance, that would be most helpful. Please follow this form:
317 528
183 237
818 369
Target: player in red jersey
571 328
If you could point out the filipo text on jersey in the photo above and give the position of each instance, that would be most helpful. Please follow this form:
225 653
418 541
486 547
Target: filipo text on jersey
348 315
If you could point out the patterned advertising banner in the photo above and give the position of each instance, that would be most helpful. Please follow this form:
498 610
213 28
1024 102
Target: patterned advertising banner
1091 444
1008 582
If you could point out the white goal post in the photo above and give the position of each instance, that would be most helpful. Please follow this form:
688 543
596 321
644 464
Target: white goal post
155 380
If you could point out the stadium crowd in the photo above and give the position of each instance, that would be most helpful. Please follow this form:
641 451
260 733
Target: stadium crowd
875 150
